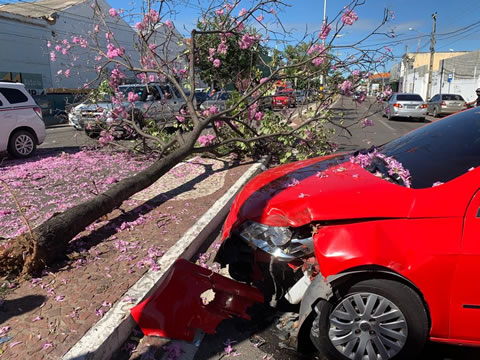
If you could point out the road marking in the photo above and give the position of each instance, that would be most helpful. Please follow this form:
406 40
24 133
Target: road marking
388 126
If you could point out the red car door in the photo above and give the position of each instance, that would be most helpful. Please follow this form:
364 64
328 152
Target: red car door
465 307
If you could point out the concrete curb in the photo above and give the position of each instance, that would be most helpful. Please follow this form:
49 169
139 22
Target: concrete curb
108 334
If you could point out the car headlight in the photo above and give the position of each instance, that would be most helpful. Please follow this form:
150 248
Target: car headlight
276 235
280 242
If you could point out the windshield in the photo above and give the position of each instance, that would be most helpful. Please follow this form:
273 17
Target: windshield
409 97
452 97
440 151
141 91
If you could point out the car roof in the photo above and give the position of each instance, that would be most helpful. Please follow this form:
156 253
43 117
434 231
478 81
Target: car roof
11 84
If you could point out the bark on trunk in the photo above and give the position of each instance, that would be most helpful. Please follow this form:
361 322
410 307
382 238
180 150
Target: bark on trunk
27 255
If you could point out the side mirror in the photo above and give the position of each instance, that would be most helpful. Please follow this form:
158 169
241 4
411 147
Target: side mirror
150 97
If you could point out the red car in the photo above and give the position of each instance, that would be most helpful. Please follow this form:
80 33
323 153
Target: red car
380 247
284 98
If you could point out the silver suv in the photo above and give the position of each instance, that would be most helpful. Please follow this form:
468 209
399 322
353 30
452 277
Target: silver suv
21 123
160 102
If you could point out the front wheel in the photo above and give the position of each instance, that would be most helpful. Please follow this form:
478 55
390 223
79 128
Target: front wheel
372 319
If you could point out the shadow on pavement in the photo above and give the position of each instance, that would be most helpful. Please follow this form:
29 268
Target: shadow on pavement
15 307
102 233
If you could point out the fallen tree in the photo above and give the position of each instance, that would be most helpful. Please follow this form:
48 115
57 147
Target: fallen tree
244 127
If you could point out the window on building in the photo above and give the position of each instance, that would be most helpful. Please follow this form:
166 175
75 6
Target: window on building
13 96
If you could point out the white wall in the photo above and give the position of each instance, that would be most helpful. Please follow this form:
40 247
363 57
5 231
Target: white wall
23 42
79 20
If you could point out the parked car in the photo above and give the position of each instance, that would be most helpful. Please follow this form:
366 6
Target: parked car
218 99
44 103
284 98
21 122
379 247
445 104
405 105
160 102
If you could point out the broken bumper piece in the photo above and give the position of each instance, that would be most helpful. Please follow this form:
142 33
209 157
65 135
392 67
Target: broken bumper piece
178 307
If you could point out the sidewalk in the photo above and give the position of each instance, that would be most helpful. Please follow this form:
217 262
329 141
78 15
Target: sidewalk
42 318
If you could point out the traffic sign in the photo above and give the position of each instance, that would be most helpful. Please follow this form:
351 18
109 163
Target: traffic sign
450 77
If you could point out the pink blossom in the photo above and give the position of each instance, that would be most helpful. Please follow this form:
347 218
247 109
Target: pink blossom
67 73
154 16
38 318
96 28
111 180
140 26
273 12
356 72
247 41
260 18
316 49
259 116
53 56
47 345
325 31
108 36
105 138
367 122
262 80
76 40
180 119
113 12
222 48
318 61
59 72
349 16
216 63
49 44
346 87
64 51
132 97
213 110
58 47
206 140
219 12
242 12
60 298
169 24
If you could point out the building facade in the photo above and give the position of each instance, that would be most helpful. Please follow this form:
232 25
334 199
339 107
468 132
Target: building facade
26 29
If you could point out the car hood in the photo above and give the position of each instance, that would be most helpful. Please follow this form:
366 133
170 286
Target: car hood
93 106
320 189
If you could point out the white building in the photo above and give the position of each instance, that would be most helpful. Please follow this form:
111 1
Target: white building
26 27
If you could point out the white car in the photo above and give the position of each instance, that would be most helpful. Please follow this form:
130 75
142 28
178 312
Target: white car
21 123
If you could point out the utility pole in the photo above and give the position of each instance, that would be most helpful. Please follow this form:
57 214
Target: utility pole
441 78
405 74
432 54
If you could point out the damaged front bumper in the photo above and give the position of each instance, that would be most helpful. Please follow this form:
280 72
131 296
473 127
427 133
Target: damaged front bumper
190 298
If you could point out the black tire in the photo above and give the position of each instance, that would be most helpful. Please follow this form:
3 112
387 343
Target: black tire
22 144
93 134
435 114
406 301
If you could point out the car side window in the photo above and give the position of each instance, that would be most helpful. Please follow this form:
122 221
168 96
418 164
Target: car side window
13 96
435 98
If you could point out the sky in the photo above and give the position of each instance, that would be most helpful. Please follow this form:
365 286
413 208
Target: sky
458 22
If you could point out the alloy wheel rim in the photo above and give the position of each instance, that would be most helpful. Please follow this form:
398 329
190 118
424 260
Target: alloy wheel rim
24 144
366 326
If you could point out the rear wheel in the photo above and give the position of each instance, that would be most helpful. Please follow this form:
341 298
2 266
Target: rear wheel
22 144
372 319
435 113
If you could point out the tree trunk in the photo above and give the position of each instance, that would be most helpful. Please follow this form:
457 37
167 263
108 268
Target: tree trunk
50 239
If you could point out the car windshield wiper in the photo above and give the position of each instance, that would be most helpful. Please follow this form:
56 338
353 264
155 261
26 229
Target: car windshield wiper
379 165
